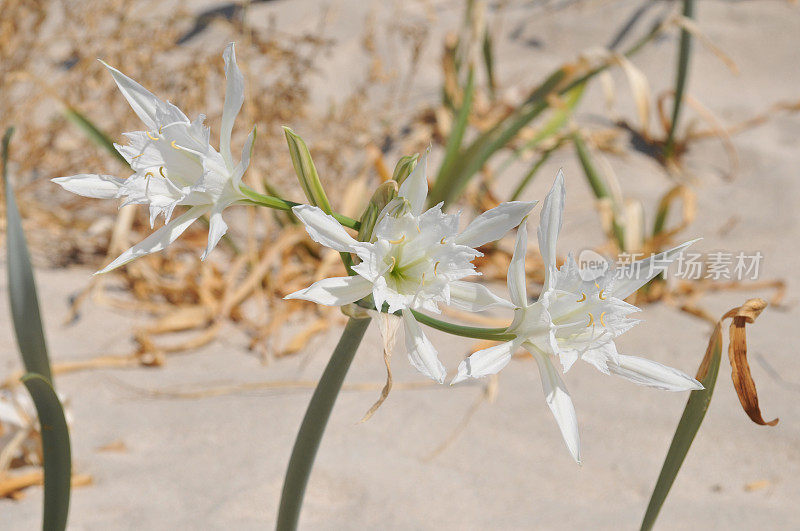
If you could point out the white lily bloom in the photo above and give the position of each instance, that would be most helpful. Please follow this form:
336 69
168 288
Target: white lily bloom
174 164
574 319
415 261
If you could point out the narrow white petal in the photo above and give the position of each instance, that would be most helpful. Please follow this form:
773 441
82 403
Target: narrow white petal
244 162
234 97
324 228
474 297
90 185
415 188
517 287
550 226
141 100
334 291
557 397
160 239
485 362
632 277
216 230
494 224
652 374
421 353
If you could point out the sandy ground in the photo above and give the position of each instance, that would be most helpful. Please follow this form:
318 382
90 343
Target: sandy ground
218 462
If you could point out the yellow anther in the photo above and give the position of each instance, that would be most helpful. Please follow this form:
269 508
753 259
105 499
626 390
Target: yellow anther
591 321
601 319
435 267
442 240
394 263
600 295
173 145
161 171
583 297
149 174
159 129
422 279
401 240
137 156
151 137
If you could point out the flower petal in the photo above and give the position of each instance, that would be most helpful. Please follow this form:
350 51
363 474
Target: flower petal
421 353
494 224
415 187
324 228
234 97
474 297
216 230
141 100
334 291
557 397
550 226
517 287
635 275
244 162
652 374
160 239
485 362
91 185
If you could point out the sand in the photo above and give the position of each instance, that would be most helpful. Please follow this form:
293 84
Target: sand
218 462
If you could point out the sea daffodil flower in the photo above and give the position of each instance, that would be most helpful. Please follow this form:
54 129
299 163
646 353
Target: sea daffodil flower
174 165
574 319
416 260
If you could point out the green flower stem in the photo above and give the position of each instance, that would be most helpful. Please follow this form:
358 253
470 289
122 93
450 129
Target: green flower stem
314 422
475 332
283 204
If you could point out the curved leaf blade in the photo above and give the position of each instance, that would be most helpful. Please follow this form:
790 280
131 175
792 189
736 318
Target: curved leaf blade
21 284
56 450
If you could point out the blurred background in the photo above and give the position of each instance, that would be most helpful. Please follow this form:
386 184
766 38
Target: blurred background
186 380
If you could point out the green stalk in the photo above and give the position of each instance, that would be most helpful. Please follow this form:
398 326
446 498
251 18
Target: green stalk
285 205
684 52
314 422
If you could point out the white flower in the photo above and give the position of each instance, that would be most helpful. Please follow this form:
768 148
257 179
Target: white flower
174 164
415 261
574 319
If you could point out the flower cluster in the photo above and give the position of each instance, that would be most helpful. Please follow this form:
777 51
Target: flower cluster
414 261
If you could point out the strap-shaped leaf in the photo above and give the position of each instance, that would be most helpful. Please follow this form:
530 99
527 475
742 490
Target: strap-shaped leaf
692 417
21 285
56 451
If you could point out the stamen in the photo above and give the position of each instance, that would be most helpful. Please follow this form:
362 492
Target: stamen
591 321
137 156
151 137
159 129
173 145
442 240
401 240
422 279
601 319
583 297
147 184
161 171
435 267
600 295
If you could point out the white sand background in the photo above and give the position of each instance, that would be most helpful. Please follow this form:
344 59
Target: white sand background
218 463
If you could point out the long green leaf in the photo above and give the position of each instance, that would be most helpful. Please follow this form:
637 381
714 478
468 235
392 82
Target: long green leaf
692 417
314 422
21 284
56 451
453 148
94 133
598 184
684 53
